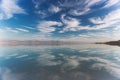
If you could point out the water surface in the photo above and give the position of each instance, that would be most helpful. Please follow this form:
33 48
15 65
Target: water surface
67 62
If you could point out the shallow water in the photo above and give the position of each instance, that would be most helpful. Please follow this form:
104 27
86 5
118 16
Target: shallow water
65 62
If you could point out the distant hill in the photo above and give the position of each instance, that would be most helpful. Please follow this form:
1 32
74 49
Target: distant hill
113 43
117 43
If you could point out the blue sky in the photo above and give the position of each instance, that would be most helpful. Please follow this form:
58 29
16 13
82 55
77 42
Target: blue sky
83 20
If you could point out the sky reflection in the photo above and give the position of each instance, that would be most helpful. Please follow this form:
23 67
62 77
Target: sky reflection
60 63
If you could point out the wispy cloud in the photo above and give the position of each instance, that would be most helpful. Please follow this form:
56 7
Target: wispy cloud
113 16
9 8
23 30
79 7
110 3
29 27
70 17
79 12
53 9
112 19
38 11
48 26
10 30
13 30
69 23
73 7
102 36
37 3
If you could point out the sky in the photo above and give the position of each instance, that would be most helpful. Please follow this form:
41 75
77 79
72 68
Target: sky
79 20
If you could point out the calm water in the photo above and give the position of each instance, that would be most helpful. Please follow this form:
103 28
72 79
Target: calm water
72 62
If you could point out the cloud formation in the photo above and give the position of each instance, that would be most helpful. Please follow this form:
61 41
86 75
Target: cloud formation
9 8
62 18
111 3
53 9
112 19
48 26
23 30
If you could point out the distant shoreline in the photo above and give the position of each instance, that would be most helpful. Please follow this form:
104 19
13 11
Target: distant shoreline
114 43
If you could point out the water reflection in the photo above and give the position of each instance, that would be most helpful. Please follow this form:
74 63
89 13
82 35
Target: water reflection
83 62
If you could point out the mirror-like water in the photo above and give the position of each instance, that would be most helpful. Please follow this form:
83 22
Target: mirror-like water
84 62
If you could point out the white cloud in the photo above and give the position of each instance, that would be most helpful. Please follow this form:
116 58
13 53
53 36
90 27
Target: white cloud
36 4
45 13
29 27
117 28
11 30
84 6
102 26
97 20
69 23
73 24
98 36
53 9
23 30
22 56
110 20
48 26
110 3
91 3
42 13
81 7
79 12
110 17
9 8
76 3
84 36
76 7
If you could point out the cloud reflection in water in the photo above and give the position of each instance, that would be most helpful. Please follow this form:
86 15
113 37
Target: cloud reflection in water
60 63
